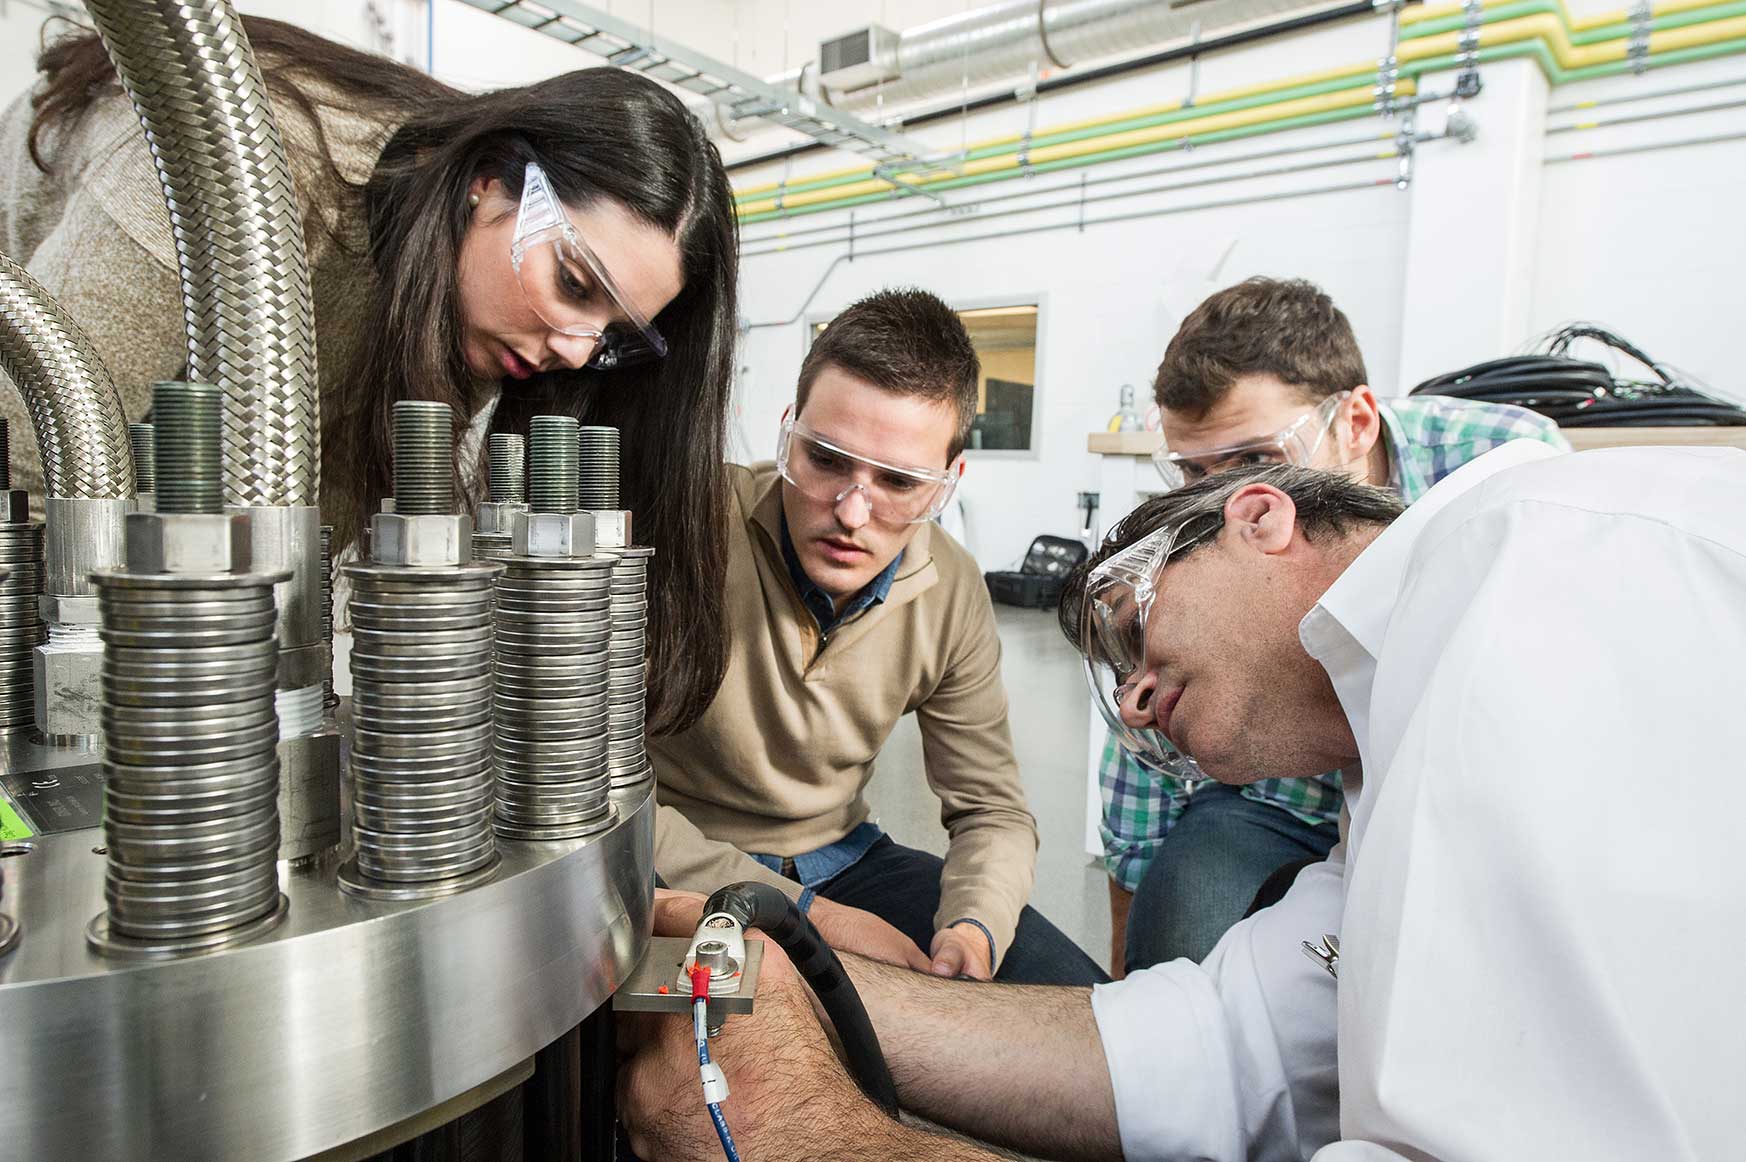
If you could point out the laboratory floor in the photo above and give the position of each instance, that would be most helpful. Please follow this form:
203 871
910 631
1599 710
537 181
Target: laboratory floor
1049 711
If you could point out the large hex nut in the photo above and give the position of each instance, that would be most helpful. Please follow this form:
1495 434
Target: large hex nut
188 542
612 528
499 516
68 687
396 539
17 502
553 534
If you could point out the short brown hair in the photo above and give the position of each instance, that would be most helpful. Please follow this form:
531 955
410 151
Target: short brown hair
1329 503
1283 327
906 341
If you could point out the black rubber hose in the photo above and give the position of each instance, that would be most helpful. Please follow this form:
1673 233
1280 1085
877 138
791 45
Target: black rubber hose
762 906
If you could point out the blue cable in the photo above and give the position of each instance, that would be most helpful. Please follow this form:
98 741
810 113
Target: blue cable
715 1114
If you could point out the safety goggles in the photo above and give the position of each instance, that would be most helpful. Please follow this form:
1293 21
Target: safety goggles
1119 597
1296 443
896 494
564 280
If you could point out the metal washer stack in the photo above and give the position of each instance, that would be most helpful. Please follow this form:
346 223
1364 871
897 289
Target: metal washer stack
422 779
21 628
190 763
627 674
554 624
421 713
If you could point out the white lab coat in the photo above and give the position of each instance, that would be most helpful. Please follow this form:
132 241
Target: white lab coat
1544 913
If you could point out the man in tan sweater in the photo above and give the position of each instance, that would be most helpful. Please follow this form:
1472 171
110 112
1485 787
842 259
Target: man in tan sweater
849 609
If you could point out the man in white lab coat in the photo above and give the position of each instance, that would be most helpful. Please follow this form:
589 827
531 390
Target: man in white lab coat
1538 910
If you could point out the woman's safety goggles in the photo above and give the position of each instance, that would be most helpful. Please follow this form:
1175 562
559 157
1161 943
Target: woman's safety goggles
1119 596
568 286
896 494
1296 443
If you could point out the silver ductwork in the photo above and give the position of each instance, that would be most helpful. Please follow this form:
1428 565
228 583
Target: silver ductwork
87 466
250 319
246 299
81 430
999 43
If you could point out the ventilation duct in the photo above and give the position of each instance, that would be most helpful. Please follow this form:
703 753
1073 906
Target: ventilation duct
998 43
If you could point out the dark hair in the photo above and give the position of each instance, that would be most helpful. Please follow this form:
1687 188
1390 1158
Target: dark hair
1283 327
1329 503
598 133
905 341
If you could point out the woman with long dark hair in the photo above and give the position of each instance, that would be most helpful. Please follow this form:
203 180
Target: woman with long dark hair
413 199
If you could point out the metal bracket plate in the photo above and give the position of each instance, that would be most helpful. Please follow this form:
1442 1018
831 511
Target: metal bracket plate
650 987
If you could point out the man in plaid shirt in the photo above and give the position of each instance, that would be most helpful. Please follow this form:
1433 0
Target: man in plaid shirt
1265 370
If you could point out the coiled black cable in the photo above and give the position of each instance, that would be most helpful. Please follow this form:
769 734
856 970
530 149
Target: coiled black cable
761 906
1579 393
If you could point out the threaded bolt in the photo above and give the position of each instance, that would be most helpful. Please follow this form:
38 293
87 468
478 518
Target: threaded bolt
424 468
145 457
599 468
5 456
188 438
551 464
507 476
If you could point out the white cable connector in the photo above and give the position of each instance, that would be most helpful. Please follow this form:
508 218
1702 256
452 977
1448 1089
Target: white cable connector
715 1086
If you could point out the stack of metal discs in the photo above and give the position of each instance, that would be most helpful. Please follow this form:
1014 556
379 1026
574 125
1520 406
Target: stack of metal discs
627 673
329 699
554 623
421 716
21 628
190 765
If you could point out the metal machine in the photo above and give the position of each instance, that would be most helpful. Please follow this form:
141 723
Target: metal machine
216 941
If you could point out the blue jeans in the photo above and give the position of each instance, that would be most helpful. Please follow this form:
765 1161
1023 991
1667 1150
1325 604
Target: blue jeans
1208 869
901 886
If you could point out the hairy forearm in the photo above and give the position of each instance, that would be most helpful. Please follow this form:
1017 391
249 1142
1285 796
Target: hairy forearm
1021 1066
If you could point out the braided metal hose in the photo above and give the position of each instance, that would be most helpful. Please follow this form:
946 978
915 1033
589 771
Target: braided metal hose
81 430
246 299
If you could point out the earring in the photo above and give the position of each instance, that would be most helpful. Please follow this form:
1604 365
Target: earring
473 200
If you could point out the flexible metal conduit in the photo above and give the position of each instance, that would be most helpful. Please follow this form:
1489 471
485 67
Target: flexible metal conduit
81 430
246 299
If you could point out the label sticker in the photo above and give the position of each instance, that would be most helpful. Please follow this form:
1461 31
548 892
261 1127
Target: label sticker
12 825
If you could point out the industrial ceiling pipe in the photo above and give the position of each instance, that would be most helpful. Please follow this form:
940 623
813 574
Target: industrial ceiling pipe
250 318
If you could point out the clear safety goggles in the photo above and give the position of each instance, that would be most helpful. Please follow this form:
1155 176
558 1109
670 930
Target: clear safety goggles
568 286
896 494
1119 596
1296 443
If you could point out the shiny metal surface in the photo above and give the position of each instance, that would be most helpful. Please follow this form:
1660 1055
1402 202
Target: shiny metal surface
81 430
82 535
238 231
351 1016
651 987
309 794
597 465
289 539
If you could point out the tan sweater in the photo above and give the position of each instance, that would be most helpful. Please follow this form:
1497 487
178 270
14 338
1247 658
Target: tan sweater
779 761
96 234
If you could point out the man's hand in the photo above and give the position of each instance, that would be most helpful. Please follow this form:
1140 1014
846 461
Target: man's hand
962 950
789 1095
849 929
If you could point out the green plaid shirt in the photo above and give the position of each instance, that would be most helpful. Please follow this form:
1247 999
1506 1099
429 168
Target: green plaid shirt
1428 437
